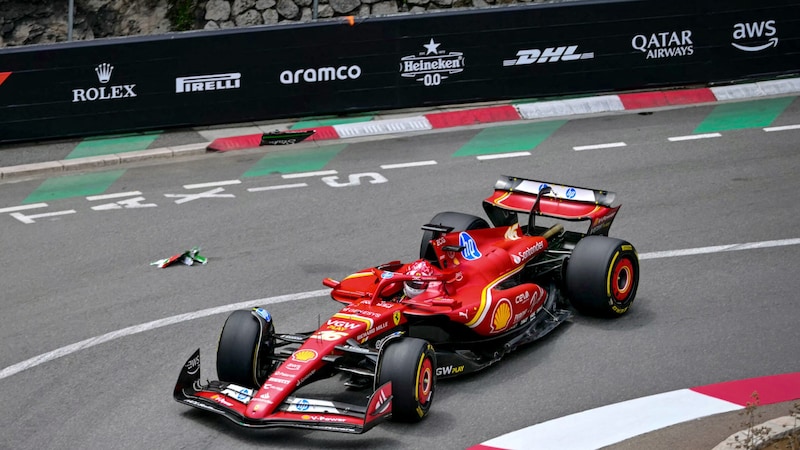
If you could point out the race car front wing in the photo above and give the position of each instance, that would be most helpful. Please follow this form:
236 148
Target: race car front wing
230 401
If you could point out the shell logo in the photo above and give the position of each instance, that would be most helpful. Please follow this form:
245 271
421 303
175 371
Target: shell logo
304 355
501 316
305 417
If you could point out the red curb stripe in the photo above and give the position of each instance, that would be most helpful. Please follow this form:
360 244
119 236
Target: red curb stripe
771 389
321 133
667 98
227 144
4 76
473 116
484 447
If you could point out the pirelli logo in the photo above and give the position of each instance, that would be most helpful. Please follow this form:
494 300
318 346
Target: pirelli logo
203 83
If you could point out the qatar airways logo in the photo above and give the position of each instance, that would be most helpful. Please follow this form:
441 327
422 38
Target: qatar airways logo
104 72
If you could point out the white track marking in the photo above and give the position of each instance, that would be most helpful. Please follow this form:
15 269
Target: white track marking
783 128
23 207
91 342
408 164
719 249
136 329
694 136
599 146
214 193
92 198
29 219
274 188
631 418
308 174
211 184
503 155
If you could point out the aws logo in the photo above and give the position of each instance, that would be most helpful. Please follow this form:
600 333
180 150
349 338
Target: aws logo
756 31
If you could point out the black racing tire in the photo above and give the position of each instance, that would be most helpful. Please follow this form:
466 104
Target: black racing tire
410 364
458 221
602 276
237 351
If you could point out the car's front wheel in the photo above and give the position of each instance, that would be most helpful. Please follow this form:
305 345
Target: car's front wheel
410 364
245 348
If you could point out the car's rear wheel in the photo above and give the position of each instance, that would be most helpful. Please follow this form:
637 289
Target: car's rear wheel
602 276
457 221
245 347
410 364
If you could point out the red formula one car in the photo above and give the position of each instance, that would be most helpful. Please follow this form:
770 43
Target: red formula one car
477 292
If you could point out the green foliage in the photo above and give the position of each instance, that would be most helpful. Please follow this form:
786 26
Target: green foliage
181 14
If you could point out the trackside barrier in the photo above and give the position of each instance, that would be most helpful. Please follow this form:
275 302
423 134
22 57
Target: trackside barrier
384 63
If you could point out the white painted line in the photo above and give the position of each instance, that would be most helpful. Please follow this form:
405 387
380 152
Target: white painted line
129 331
503 155
631 418
211 184
23 207
274 188
92 198
599 146
91 342
719 249
320 173
29 219
695 136
408 164
783 128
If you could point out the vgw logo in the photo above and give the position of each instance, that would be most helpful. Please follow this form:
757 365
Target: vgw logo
755 31
103 72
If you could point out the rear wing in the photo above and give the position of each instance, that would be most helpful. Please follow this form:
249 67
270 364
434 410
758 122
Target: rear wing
517 195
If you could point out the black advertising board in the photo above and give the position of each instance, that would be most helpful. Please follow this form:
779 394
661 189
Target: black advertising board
331 67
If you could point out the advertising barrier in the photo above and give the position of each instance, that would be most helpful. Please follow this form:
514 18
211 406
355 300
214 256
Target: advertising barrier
382 63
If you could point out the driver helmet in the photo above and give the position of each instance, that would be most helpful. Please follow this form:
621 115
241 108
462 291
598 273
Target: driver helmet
421 268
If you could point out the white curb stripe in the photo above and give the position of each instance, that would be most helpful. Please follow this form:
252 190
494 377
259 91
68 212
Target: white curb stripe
588 105
590 429
760 89
386 126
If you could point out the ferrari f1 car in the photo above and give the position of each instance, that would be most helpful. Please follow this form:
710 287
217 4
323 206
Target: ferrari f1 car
478 292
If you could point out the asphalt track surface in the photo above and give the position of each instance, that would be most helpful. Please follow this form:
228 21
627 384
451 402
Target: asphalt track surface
698 319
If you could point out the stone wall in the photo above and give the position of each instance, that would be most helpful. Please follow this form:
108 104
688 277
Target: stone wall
25 22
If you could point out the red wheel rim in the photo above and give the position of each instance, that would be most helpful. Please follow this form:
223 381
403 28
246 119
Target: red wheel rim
622 280
424 380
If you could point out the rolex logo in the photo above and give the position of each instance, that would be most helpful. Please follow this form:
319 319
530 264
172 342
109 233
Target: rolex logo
91 94
104 72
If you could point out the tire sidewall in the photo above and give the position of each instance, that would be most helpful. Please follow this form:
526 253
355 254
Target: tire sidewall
410 364
602 276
